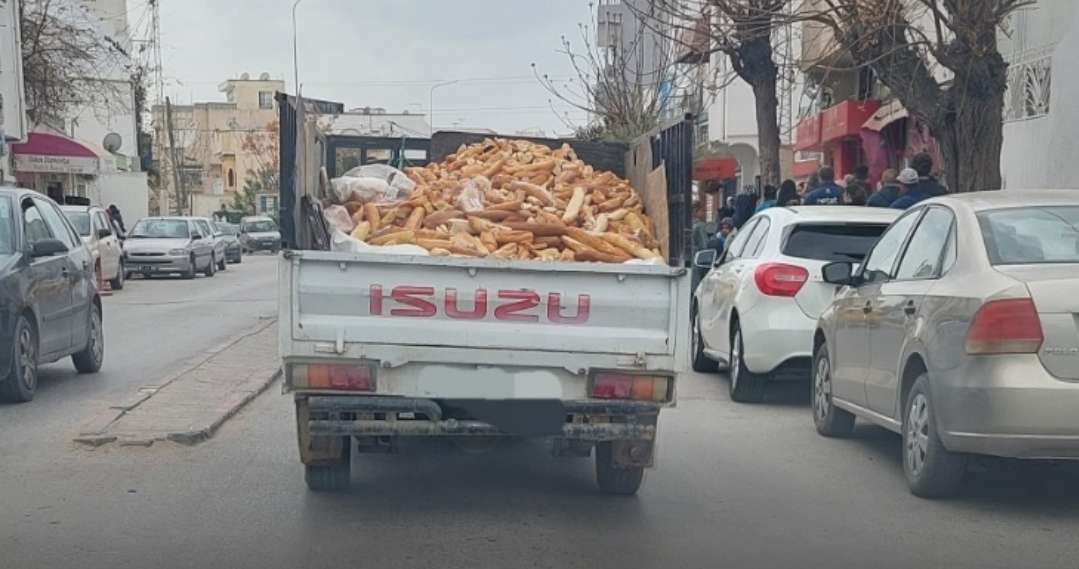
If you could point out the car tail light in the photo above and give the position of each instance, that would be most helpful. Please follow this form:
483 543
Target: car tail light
343 377
779 279
617 385
1009 326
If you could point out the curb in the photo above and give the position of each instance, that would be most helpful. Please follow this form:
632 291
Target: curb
197 436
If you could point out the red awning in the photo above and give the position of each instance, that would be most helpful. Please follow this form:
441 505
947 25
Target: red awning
807 134
715 169
846 119
45 152
44 144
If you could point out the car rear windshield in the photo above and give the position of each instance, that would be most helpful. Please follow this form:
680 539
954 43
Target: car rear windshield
161 228
228 228
7 227
260 226
832 241
81 221
1031 235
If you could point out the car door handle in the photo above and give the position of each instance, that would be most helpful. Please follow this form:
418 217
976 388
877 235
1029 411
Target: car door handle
910 309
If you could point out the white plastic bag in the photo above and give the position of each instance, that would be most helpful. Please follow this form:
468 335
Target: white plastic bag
347 189
394 184
343 243
470 200
338 218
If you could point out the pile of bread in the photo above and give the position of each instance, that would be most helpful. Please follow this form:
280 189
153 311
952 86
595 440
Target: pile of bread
513 199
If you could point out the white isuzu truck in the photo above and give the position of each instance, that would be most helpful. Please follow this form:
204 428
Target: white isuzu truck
376 347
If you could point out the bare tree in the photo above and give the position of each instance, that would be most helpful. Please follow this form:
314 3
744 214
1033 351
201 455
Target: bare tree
627 82
940 59
68 61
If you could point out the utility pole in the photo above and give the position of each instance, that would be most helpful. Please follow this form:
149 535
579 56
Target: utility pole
177 179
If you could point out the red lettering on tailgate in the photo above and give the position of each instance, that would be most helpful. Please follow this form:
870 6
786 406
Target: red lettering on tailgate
376 300
407 295
479 305
525 300
554 309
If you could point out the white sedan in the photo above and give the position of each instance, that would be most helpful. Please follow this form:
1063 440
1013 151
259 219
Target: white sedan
756 310
97 231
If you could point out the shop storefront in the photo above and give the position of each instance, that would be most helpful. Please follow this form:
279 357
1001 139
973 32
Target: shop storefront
55 165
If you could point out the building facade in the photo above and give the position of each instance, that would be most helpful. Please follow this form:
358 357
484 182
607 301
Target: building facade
217 149
12 99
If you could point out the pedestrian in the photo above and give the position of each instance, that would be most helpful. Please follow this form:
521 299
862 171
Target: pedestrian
728 209
788 194
744 206
855 193
888 192
922 163
769 198
114 213
723 235
848 180
702 228
911 192
861 175
828 193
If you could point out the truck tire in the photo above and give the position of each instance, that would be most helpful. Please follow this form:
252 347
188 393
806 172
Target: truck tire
932 471
333 477
745 386
612 479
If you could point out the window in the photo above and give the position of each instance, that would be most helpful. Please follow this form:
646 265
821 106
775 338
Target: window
926 250
160 228
265 99
1031 235
755 243
103 222
878 267
56 223
735 246
34 224
231 178
832 241
7 227
204 228
81 221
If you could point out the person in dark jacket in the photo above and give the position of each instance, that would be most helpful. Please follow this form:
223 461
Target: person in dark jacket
769 198
114 213
922 163
828 193
888 192
745 204
911 192
855 193
788 194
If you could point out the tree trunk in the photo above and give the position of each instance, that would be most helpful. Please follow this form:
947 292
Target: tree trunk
764 94
970 140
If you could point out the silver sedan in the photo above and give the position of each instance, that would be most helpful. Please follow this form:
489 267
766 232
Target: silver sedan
961 332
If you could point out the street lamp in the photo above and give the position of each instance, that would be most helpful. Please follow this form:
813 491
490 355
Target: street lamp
295 50
431 109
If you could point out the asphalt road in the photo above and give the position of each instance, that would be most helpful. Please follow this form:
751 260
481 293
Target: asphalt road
736 486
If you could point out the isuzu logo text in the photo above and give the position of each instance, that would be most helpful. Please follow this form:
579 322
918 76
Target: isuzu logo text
507 305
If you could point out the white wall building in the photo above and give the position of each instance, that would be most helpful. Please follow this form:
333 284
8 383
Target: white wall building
12 103
1041 117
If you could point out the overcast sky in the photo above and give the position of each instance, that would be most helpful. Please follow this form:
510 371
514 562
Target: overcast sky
380 53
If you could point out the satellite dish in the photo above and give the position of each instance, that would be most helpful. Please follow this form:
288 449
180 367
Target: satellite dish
245 77
264 77
112 142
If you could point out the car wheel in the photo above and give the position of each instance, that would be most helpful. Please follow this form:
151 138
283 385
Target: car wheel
745 386
118 282
332 477
21 382
190 272
932 471
701 362
830 420
89 360
239 258
222 265
613 479
210 268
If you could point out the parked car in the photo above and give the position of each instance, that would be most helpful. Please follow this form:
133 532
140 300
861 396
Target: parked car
96 230
207 227
49 303
259 233
170 245
230 235
959 332
756 310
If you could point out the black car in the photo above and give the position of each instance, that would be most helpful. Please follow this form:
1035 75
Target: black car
49 303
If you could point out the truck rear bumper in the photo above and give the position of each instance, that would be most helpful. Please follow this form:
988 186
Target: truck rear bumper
583 420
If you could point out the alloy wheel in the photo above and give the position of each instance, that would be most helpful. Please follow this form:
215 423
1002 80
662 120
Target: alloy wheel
917 433
96 347
695 341
822 388
28 358
736 358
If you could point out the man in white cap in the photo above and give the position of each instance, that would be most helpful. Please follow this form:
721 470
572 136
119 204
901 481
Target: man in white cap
910 193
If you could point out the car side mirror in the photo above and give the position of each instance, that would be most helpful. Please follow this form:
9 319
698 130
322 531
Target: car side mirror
47 248
704 259
839 273
196 235
103 233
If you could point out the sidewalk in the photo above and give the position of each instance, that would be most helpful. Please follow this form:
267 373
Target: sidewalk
190 406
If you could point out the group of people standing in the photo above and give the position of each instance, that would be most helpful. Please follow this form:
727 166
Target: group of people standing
897 189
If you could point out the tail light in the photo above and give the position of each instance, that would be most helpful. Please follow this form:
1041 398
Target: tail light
616 385
779 279
1009 326
342 377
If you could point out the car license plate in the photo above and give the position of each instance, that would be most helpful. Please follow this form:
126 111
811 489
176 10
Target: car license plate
146 268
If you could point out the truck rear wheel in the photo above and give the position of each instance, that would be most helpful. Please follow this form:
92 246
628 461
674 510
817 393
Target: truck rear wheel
613 479
332 477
